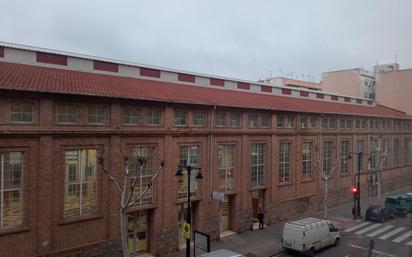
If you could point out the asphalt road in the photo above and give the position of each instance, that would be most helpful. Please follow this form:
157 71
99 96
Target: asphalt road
393 238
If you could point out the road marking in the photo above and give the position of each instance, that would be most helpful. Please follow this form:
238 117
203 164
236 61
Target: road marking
368 228
409 243
402 237
374 251
379 231
357 226
393 232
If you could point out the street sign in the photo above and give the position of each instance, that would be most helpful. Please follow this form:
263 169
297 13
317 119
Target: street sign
202 243
186 230
218 196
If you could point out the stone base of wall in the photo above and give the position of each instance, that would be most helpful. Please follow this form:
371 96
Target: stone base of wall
167 240
110 248
292 208
212 227
245 221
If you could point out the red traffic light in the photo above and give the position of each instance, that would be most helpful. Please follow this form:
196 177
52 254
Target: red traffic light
354 190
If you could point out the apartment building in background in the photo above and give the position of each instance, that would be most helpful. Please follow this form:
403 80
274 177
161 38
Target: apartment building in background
257 143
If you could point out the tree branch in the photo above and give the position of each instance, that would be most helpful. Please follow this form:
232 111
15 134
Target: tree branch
109 176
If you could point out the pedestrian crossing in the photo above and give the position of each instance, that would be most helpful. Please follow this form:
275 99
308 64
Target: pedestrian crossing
395 234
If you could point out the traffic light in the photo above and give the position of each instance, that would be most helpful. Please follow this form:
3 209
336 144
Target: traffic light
354 191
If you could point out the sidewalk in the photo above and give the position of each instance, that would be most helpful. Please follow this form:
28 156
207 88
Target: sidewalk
266 242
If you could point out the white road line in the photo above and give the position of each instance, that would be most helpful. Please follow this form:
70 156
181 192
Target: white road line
379 231
374 251
368 228
357 226
409 243
393 232
402 237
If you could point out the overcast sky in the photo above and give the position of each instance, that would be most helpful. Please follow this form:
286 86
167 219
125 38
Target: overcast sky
233 38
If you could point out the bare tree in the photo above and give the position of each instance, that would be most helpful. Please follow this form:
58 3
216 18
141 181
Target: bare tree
382 153
126 193
326 175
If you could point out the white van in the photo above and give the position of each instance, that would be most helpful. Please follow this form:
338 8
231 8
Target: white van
309 234
221 253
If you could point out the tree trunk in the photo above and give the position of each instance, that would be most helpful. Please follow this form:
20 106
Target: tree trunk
123 232
325 199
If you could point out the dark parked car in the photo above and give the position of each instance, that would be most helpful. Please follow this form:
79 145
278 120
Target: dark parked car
378 213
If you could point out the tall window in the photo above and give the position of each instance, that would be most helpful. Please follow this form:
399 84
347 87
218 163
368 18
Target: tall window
97 114
199 119
342 123
284 161
349 123
344 150
360 147
181 118
80 183
280 121
312 122
67 113
304 122
324 123
21 112
327 156
253 120
153 116
189 155
11 189
407 153
332 123
226 157
385 149
396 155
364 124
373 157
148 153
265 121
131 116
290 122
235 120
257 164
220 119
307 160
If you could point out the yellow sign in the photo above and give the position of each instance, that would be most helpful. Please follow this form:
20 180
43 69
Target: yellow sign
186 230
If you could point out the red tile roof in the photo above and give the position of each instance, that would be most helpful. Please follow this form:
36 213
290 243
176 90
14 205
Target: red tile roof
42 79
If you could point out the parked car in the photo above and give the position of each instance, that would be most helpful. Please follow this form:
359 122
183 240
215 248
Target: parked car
377 213
309 235
399 204
222 253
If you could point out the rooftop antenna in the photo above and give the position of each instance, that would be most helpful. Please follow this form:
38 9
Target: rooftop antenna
281 71
396 58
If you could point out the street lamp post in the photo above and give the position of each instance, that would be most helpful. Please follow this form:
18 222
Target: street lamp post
358 208
199 176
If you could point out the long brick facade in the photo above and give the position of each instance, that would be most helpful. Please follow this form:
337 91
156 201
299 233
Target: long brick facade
45 229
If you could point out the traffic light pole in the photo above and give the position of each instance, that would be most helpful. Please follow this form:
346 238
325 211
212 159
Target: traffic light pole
358 207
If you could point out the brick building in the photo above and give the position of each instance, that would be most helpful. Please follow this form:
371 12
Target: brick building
256 142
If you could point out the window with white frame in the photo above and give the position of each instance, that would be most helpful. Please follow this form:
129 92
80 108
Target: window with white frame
342 123
324 123
253 120
327 155
304 122
360 148
257 164
80 183
290 122
364 123
280 121
67 113
396 152
235 120
199 119
284 162
332 123
373 155
21 112
180 118
131 116
307 152
220 119
153 116
226 158
407 152
11 189
136 154
97 114
385 150
344 161
189 155
265 121
312 122
349 123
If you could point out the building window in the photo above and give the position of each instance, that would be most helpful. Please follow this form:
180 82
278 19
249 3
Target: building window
180 118
253 120
21 112
385 150
80 183
304 123
327 156
344 151
188 155
312 122
67 113
290 122
235 120
144 176
280 121
396 155
349 123
153 116
11 189
265 121
364 124
342 123
131 116
360 148
97 114
373 157
371 124
199 119
226 158
357 123
307 160
407 153
332 123
257 164
220 119
284 161
324 123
